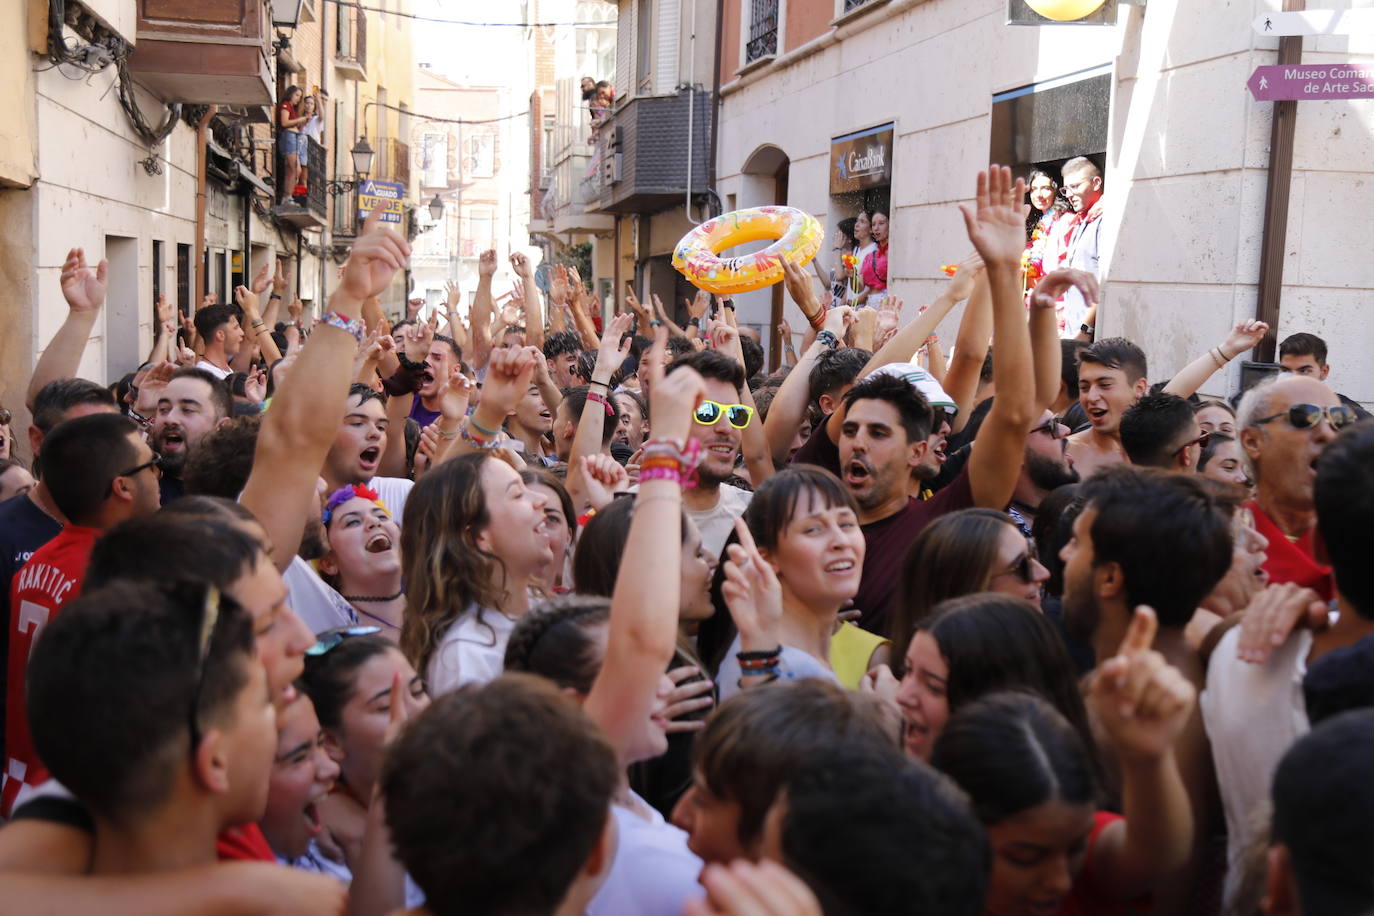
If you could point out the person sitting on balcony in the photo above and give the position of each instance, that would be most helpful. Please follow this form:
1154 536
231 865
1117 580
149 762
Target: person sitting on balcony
290 140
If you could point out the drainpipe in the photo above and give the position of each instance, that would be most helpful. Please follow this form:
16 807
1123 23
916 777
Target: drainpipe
691 108
201 157
715 107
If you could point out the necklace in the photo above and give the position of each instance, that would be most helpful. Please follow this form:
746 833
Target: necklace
352 598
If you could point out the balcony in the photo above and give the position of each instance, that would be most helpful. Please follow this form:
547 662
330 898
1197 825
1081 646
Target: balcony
204 52
640 164
393 161
350 43
310 210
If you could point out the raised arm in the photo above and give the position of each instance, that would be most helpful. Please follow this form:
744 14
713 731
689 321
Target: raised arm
1044 328
309 406
610 355
534 312
482 308
84 290
1193 376
643 627
996 226
1143 705
258 330
582 301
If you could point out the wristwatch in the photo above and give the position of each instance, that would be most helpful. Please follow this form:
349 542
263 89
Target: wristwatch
1087 329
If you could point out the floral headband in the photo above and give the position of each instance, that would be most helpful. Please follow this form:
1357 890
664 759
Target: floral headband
352 491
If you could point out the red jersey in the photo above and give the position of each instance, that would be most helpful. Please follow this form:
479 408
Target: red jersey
49 580
243 844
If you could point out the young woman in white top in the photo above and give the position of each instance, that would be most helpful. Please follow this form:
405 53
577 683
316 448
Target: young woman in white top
614 660
364 559
474 539
798 563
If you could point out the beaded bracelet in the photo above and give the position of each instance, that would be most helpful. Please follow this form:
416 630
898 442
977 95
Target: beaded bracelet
474 441
342 322
759 655
828 339
664 473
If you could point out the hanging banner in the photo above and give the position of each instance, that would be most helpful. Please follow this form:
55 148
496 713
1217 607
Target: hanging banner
861 160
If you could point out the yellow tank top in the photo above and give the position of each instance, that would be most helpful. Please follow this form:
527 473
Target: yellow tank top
850 649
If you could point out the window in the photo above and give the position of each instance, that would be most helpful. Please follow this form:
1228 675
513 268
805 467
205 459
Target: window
763 30
644 38
434 159
477 231
479 159
546 157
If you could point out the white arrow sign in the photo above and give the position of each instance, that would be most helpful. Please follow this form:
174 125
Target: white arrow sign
1316 22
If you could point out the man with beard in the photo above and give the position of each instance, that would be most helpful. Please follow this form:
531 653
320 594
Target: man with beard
890 432
1161 431
1149 541
1046 466
185 404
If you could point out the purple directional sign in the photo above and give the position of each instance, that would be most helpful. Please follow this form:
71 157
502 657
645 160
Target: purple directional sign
1299 82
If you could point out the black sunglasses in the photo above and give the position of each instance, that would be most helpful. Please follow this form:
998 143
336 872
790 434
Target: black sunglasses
1200 440
1051 428
155 463
1021 566
1307 416
329 640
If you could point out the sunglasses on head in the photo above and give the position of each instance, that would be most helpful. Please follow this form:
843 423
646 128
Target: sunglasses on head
329 640
1200 441
1307 416
708 413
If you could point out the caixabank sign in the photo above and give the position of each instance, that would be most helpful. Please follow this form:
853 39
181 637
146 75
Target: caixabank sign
861 160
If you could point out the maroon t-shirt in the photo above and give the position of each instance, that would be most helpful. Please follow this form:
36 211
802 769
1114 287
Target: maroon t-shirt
819 450
887 543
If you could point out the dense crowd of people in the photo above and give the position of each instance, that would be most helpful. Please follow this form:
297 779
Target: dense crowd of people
540 613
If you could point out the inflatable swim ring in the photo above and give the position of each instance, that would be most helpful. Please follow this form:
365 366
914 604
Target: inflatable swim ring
697 256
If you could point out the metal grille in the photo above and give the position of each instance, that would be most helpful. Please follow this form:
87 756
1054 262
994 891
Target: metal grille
853 4
316 200
763 30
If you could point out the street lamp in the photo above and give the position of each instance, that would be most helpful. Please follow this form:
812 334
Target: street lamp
362 154
436 209
1064 10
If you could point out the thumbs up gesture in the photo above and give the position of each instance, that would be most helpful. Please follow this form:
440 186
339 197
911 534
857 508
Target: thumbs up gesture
1141 700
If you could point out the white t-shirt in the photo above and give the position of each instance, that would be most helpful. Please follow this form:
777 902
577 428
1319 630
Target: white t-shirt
1253 715
393 491
470 652
716 523
314 601
214 370
653 874
793 664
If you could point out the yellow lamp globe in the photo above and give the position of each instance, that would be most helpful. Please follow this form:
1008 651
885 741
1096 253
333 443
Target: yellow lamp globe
1064 10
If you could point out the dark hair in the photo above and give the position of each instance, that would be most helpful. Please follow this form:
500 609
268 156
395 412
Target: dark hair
365 393
54 399
757 739
330 679
753 355
575 401
911 406
220 399
1323 798
521 775
194 539
846 227
1215 441
775 501
1052 529
560 342
1152 428
993 642
1188 547
552 641
1304 344
679 347
638 399
951 557
533 476
81 459
1344 499
1116 353
833 370
211 318
453 347
711 364
1068 364
919 851
1011 752
116 672
220 465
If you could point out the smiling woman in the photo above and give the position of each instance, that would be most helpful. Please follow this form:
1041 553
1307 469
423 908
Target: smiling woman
364 559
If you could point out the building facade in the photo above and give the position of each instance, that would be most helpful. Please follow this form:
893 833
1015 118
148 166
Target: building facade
1159 99
147 138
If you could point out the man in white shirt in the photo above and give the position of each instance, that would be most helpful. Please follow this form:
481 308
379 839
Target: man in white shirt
219 330
359 447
